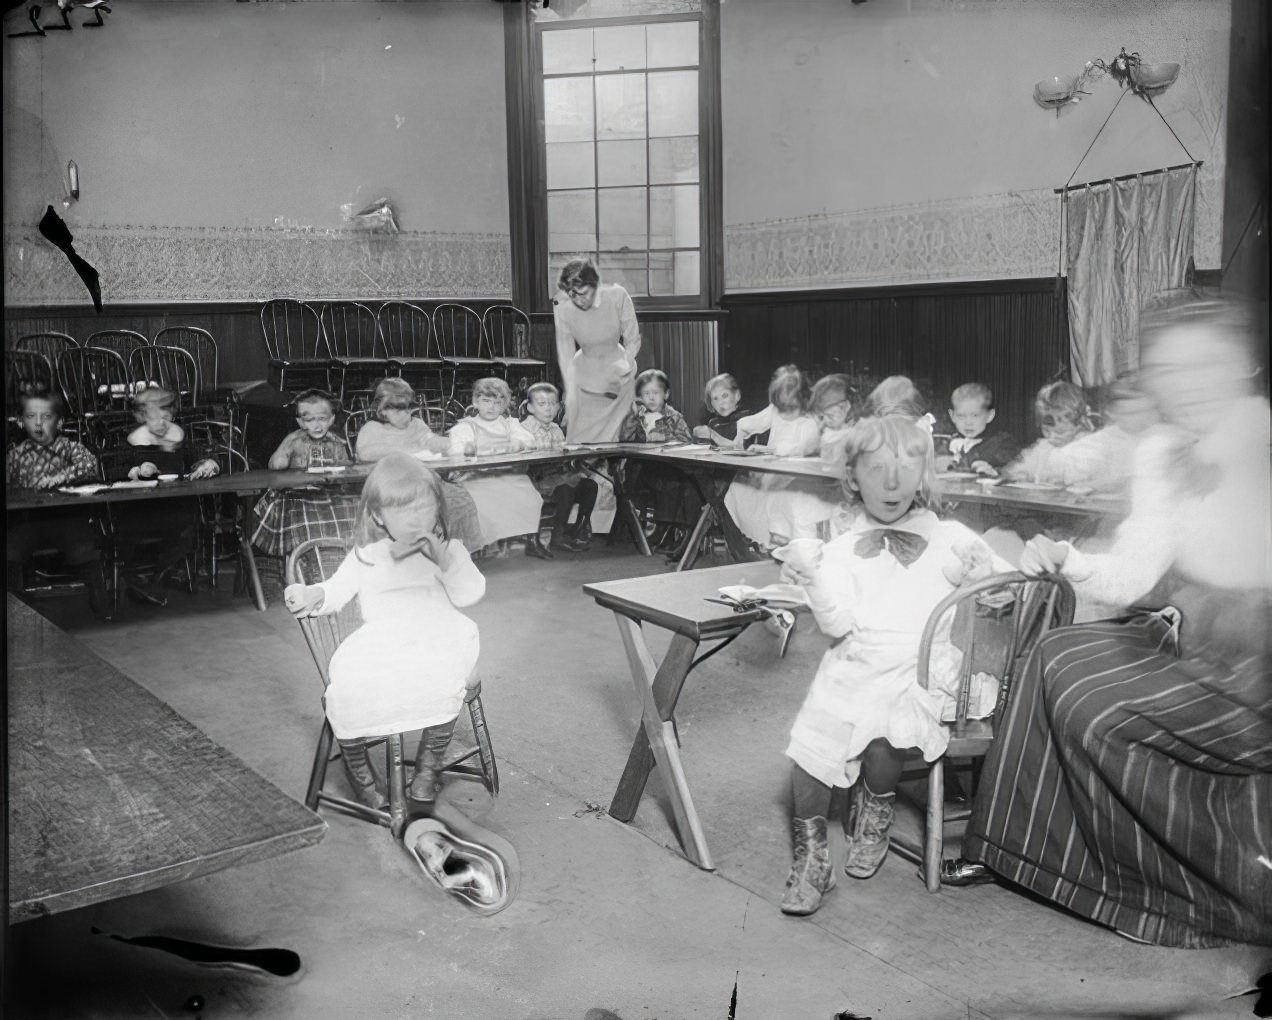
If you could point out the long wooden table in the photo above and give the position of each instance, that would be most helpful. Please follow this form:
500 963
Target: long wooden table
712 472
675 602
111 792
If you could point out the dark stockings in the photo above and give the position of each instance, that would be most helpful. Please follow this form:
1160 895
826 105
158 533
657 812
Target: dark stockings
880 771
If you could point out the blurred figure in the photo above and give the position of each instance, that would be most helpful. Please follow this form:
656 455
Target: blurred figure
1129 413
1131 779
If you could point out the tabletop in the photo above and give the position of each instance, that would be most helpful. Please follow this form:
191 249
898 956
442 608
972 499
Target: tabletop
677 601
111 792
256 481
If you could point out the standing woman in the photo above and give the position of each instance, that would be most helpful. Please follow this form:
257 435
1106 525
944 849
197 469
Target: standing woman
1131 780
597 342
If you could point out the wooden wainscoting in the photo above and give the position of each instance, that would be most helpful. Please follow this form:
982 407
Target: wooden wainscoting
1010 334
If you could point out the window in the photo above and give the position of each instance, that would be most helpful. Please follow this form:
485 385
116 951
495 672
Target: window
622 103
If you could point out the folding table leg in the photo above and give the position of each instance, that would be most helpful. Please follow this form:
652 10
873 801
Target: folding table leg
627 511
655 743
258 594
700 529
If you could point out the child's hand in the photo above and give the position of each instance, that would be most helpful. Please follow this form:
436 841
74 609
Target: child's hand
427 543
437 444
1043 556
984 468
146 469
205 469
701 432
303 599
975 563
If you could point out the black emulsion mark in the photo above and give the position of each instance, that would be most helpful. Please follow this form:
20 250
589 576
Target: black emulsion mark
279 962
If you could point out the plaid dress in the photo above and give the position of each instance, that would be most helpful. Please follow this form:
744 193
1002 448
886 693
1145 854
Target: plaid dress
287 518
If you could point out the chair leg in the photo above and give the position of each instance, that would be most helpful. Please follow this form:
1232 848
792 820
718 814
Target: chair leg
934 833
397 785
485 750
318 774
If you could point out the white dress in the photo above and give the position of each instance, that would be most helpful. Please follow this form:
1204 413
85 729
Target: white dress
407 666
771 509
865 687
508 504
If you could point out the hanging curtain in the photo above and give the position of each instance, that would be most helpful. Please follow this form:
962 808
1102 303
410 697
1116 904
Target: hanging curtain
1126 241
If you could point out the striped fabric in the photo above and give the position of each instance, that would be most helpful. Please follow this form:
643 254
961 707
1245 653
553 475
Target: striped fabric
1134 787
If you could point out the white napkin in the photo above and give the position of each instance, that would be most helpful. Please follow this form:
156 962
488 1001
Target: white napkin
786 594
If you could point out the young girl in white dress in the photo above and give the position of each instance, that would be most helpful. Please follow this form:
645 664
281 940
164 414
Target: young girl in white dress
508 504
772 509
407 667
872 589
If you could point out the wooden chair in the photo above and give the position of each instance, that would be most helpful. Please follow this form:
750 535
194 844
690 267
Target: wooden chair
49 344
222 518
94 380
997 623
122 341
353 338
315 561
25 371
201 346
507 331
461 342
295 342
406 331
170 367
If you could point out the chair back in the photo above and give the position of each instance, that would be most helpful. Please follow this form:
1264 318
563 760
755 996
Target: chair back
458 331
25 372
507 331
170 367
221 441
997 623
309 563
406 330
292 331
122 341
48 344
353 425
201 346
95 381
351 330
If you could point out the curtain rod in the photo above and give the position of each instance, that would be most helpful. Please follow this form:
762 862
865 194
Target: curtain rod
1126 177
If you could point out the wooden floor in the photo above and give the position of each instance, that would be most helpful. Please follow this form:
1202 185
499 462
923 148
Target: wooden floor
607 916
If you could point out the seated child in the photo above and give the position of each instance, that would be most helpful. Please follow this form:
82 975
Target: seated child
723 398
508 505
408 666
652 419
1128 414
772 509
156 447
562 484
1063 416
396 427
834 405
46 459
897 394
977 447
872 589
287 518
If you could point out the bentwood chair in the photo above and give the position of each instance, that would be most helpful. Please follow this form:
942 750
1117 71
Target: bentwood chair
507 331
295 342
353 338
122 341
25 372
170 367
406 331
315 561
49 344
95 381
996 623
461 344
201 346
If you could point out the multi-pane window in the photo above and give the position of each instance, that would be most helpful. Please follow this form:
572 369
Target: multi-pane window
623 148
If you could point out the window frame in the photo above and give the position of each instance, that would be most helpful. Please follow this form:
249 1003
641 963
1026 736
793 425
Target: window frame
528 166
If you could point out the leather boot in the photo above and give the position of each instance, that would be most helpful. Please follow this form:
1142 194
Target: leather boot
430 762
812 875
867 830
361 775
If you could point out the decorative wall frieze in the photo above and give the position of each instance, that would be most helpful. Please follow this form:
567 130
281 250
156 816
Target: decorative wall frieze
990 237
173 264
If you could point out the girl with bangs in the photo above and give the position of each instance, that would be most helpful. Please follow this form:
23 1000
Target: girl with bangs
872 589
407 667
